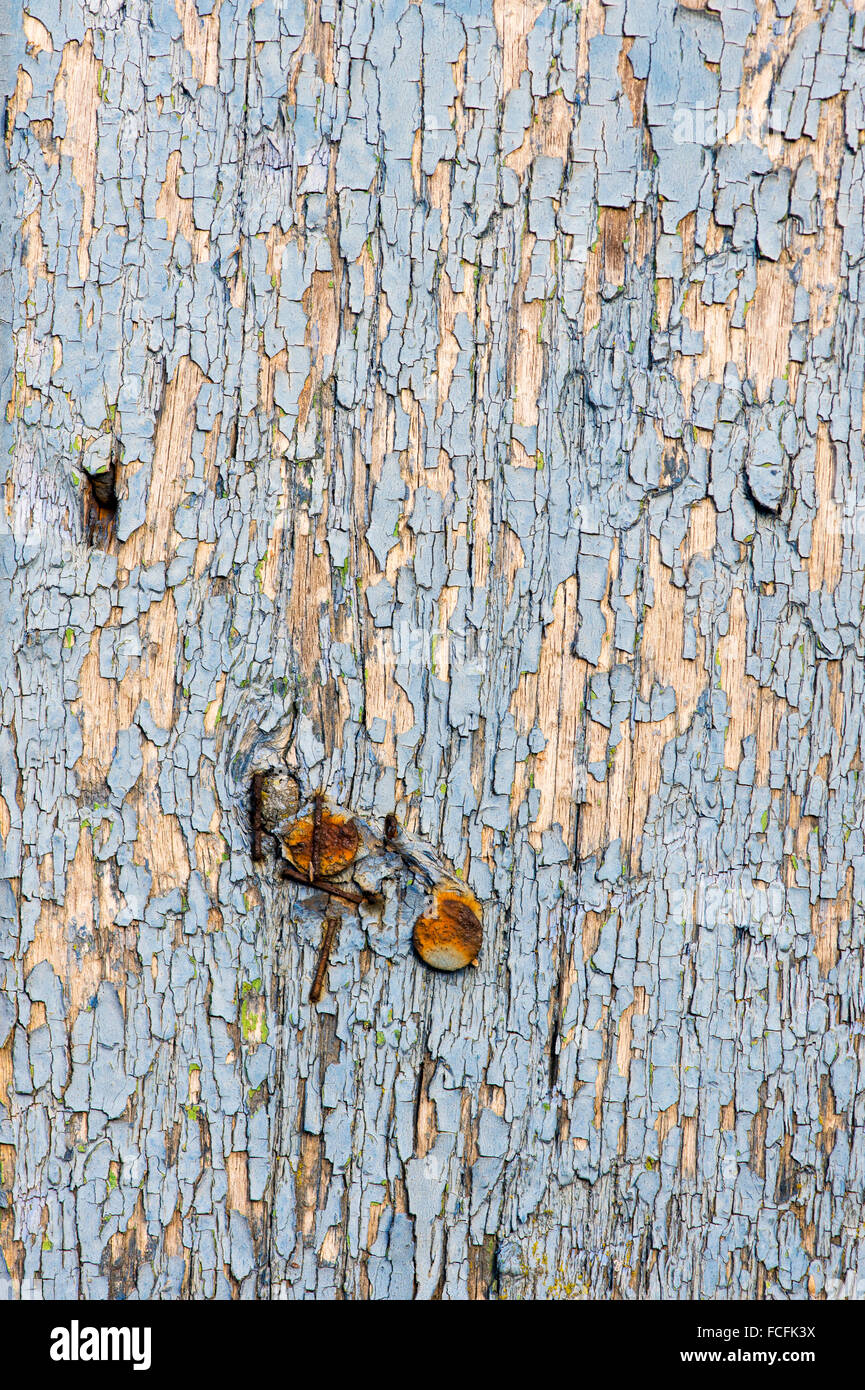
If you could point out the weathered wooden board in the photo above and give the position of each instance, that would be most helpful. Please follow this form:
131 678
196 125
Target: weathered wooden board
485 389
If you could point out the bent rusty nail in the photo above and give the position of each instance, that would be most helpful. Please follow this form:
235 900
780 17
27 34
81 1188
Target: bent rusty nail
355 898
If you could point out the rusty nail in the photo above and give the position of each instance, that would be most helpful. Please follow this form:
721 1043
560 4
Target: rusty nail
315 842
255 814
330 929
289 872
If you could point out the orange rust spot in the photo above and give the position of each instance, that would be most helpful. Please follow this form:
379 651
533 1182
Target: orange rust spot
448 936
337 843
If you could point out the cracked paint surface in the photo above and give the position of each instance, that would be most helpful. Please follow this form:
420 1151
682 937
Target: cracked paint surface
486 387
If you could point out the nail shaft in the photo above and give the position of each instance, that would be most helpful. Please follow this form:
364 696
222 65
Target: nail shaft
330 927
323 887
315 846
255 814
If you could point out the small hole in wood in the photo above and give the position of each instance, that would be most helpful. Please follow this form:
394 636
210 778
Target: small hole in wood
100 503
